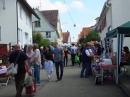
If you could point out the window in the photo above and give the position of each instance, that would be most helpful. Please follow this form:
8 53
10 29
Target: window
0 32
20 12
48 34
37 23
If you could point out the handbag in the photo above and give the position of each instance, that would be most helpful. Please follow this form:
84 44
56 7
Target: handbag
77 59
13 67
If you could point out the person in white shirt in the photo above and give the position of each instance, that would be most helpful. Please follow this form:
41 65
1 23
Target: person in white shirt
86 58
73 53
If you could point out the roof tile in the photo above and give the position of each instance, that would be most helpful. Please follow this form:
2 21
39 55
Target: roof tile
65 36
51 16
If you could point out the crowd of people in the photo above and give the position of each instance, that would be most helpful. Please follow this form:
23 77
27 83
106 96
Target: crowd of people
33 57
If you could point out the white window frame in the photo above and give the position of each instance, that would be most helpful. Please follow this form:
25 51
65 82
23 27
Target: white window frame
48 34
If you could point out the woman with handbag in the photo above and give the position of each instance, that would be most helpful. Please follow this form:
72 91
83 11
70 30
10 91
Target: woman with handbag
48 57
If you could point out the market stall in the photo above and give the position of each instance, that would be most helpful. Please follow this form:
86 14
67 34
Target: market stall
3 64
119 32
103 65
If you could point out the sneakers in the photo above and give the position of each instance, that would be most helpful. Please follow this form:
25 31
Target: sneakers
58 80
37 84
81 76
49 79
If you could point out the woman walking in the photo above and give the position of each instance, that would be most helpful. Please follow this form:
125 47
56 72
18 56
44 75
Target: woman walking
66 56
48 57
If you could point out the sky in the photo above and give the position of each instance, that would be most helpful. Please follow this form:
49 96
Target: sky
82 13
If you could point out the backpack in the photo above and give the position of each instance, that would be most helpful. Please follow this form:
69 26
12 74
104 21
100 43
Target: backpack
73 51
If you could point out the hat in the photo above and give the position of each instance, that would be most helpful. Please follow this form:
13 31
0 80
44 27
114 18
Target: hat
41 47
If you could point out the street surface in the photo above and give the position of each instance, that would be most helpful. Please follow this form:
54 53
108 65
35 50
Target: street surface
71 86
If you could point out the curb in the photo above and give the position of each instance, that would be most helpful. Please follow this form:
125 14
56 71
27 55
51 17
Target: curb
124 88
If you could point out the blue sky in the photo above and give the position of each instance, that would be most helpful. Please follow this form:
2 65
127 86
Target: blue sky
83 13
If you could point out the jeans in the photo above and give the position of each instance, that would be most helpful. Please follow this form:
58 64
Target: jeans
19 80
61 65
85 66
65 60
37 72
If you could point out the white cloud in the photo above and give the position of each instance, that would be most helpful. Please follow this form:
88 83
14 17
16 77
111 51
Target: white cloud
90 24
78 5
47 5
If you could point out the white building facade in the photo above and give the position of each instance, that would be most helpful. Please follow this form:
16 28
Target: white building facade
44 27
47 30
16 22
114 14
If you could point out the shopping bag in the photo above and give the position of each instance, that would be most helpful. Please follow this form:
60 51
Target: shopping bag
76 59
31 89
13 67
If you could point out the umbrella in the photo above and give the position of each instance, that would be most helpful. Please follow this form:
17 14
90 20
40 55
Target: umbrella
65 44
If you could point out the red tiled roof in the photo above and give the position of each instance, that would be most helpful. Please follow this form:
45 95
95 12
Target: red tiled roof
65 36
79 36
51 16
85 31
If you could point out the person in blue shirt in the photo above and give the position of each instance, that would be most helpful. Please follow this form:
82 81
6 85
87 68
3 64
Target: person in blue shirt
52 48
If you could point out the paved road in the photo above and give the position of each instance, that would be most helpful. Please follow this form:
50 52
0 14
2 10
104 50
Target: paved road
71 86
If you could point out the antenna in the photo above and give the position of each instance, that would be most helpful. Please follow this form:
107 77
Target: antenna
40 4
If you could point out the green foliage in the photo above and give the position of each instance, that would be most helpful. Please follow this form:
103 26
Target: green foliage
92 36
45 42
37 38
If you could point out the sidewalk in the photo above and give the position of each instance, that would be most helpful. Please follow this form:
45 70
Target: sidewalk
124 83
71 86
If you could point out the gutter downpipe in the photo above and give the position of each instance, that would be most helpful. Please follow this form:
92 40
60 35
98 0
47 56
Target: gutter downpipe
17 18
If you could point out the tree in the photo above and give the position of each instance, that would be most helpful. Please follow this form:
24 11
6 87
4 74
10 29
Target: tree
45 42
37 38
92 36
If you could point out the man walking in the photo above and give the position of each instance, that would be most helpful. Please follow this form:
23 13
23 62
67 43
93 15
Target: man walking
22 63
58 59
73 53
